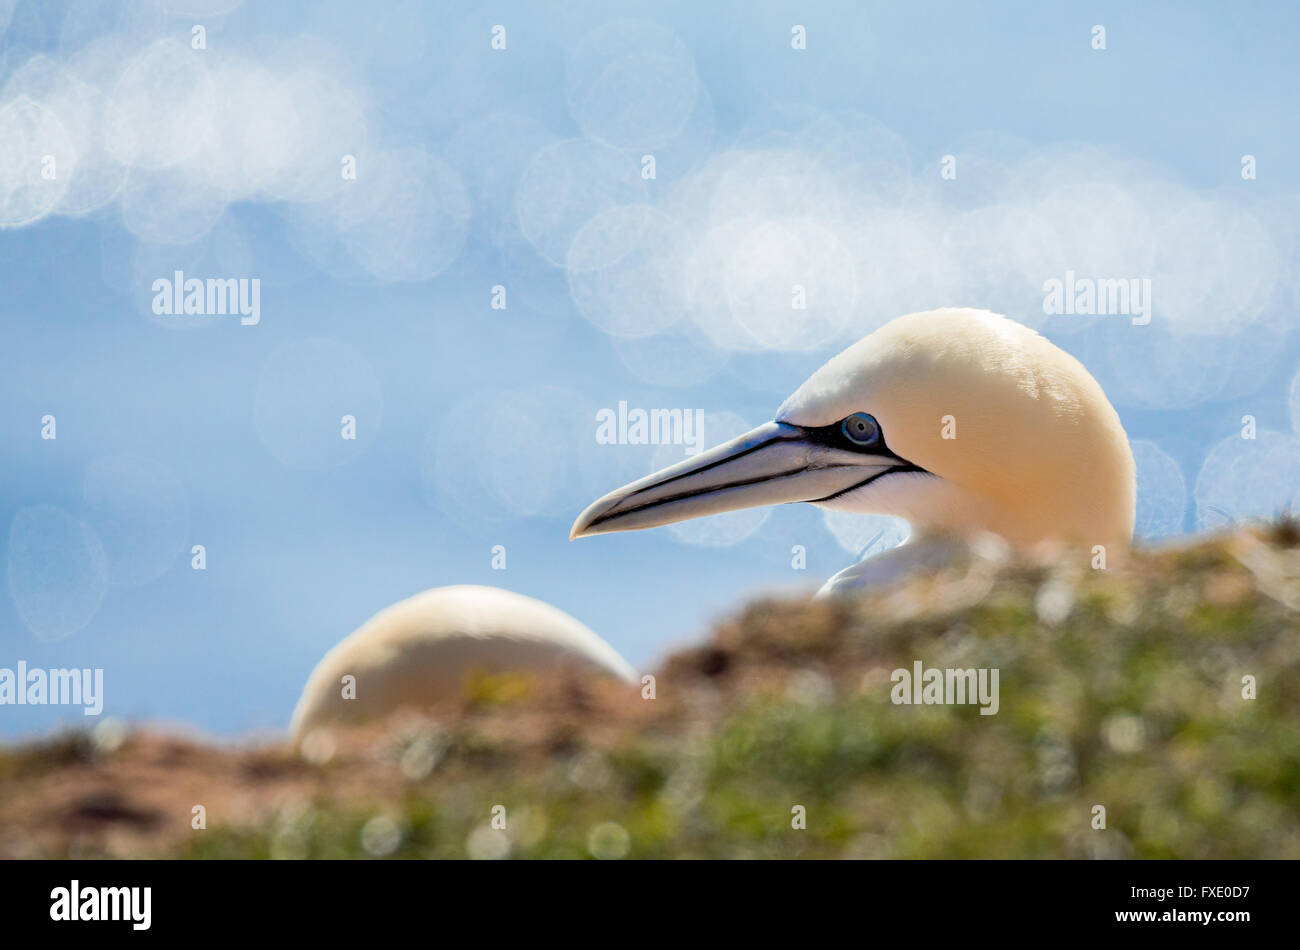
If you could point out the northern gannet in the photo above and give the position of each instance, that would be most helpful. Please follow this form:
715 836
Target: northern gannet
960 421
421 649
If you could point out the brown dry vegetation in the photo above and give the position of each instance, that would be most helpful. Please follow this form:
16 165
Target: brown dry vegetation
1120 688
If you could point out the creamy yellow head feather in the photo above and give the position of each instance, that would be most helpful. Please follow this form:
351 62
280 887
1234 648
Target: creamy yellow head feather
1024 437
984 426
422 649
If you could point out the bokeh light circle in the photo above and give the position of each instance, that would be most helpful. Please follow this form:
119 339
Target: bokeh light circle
57 571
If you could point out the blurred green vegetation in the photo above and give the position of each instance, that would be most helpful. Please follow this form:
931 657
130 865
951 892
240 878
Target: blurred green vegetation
1129 695
1121 688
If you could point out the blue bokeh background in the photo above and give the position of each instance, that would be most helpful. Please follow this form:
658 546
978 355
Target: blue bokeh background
298 557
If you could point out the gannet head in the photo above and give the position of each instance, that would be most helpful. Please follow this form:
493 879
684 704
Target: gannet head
421 650
957 420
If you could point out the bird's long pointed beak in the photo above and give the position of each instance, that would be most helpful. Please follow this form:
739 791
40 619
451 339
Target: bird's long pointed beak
773 464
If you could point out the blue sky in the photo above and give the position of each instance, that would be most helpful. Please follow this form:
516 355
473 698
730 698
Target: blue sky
521 167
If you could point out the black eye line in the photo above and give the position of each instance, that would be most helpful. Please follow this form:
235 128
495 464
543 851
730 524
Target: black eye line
904 467
833 436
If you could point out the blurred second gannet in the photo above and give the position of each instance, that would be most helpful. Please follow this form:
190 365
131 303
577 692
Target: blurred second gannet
960 421
422 649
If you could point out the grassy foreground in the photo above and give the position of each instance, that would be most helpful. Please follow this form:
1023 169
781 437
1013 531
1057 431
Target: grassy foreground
1121 689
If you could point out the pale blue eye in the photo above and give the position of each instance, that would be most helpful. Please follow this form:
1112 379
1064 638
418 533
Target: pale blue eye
861 429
